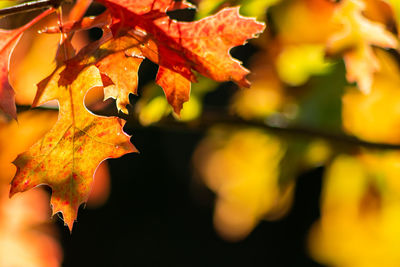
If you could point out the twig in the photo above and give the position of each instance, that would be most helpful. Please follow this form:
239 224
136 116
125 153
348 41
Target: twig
210 119
29 6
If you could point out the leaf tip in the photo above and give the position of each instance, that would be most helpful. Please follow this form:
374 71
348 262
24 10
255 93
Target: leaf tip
68 218
12 192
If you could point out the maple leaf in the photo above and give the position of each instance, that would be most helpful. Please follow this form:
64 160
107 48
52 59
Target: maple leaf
8 39
356 38
181 47
68 155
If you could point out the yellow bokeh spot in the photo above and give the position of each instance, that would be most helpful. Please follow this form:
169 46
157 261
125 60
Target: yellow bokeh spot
153 111
266 95
318 152
191 109
242 167
296 63
375 116
360 212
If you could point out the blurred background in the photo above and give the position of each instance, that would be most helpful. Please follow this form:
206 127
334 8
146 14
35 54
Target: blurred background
299 170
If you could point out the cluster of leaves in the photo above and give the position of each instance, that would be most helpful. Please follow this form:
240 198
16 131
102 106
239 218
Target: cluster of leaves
68 155
320 65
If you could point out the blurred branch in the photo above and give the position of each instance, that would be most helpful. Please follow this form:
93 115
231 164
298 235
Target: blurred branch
29 6
212 118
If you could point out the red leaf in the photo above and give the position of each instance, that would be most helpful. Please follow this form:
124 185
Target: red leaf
175 86
183 47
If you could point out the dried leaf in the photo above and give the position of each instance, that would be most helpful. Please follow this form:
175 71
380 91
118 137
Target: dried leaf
67 156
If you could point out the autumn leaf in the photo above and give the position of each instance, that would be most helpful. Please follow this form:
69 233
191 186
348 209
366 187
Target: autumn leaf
67 156
143 30
357 36
81 140
119 72
181 47
8 39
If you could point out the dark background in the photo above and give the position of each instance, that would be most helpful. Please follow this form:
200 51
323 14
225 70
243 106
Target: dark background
159 215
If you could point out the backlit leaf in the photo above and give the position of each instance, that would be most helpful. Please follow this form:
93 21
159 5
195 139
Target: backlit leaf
8 40
67 156
180 47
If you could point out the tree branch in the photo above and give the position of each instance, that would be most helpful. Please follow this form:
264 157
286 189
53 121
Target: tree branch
29 6
213 118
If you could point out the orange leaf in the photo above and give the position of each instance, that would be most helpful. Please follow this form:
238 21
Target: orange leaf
176 87
8 39
119 71
67 156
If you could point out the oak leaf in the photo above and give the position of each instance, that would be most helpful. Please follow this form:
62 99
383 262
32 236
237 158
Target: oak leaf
181 47
355 39
119 72
68 155
142 29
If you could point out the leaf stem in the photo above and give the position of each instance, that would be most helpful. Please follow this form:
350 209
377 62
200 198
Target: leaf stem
29 6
